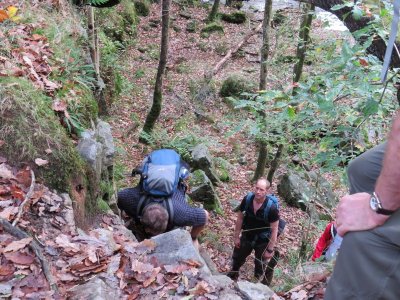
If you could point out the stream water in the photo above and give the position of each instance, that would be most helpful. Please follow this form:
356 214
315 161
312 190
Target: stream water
258 5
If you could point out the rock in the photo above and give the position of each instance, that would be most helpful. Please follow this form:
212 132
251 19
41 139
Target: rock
185 14
104 136
202 160
297 191
69 212
225 287
106 237
175 246
313 271
234 204
91 151
203 191
94 289
255 291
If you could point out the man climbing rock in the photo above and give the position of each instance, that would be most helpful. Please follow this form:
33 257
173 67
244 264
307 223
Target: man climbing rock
156 219
256 229
157 203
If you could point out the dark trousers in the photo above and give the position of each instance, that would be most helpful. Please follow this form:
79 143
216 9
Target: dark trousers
246 247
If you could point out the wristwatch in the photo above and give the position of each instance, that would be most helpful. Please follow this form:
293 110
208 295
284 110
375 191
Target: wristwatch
376 206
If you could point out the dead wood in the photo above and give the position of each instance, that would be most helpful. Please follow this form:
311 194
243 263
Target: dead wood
27 197
232 51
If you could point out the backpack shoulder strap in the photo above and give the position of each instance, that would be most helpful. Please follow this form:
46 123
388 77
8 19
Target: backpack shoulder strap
249 197
267 207
170 209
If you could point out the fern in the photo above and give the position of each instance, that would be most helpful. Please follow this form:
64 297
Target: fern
98 2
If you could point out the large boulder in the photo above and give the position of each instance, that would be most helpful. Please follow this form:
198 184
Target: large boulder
202 160
299 189
203 191
175 246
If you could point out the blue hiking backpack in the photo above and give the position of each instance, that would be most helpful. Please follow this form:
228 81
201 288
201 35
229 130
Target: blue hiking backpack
272 199
162 172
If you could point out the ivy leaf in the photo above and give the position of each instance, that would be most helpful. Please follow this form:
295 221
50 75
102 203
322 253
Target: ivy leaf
357 13
371 107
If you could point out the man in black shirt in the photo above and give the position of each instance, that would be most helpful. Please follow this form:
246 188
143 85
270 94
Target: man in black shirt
254 230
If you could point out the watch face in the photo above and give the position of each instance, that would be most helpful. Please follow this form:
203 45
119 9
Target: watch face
374 203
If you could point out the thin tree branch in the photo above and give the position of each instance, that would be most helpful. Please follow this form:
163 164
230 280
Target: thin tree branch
27 197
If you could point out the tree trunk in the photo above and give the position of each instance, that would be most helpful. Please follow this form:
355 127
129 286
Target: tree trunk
275 163
155 110
265 44
214 11
263 151
304 38
378 46
261 161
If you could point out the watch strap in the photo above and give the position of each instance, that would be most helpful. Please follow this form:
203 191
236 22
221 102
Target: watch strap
380 209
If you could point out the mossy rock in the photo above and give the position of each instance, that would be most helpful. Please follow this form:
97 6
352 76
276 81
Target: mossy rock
191 26
119 23
237 17
279 18
213 27
142 7
235 85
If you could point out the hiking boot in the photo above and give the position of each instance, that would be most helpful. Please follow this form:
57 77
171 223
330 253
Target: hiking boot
269 273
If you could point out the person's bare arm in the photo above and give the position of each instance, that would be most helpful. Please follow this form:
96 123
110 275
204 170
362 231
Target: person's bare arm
197 229
272 240
354 212
238 228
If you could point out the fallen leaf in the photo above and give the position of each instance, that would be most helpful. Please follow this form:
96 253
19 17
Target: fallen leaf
41 162
2 143
16 245
192 262
19 258
5 172
66 277
6 270
48 151
140 267
59 105
363 62
3 15
176 269
8 212
200 289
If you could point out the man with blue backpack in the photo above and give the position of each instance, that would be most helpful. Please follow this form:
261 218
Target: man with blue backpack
256 229
158 203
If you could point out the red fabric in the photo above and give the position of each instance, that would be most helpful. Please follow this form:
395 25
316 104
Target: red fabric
323 242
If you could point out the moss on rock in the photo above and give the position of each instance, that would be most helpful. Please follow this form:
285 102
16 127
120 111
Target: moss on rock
212 27
142 7
31 130
237 17
235 85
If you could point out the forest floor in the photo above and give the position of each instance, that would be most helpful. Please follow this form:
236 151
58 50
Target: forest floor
189 57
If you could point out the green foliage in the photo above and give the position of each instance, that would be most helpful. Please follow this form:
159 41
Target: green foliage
237 17
235 85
